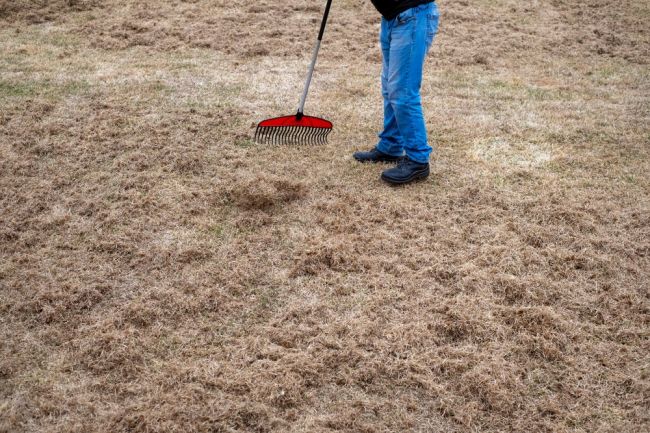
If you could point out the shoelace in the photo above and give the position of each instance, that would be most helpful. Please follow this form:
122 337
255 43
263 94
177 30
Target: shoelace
404 162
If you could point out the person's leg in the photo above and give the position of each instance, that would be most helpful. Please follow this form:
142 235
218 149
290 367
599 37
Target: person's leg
410 38
390 139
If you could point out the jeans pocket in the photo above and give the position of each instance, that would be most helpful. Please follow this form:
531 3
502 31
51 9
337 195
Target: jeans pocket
405 16
432 26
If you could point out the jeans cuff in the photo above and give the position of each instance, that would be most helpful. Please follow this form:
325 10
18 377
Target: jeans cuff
384 149
418 160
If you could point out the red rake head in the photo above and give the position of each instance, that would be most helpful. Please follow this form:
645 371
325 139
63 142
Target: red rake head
296 129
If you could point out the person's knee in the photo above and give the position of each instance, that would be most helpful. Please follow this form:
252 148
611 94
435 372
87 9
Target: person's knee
401 96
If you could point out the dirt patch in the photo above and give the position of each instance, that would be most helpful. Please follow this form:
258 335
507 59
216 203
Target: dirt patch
38 11
265 193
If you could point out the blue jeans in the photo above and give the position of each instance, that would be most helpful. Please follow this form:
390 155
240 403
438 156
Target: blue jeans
405 42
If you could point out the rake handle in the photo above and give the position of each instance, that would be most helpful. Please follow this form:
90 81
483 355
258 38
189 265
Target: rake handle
312 65
324 21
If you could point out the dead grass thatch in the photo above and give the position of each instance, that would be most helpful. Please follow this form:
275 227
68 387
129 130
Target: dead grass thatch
160 272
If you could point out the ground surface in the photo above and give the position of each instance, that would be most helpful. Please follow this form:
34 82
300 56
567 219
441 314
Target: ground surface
160 272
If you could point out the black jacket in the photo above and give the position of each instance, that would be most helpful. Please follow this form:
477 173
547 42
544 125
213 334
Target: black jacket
391 8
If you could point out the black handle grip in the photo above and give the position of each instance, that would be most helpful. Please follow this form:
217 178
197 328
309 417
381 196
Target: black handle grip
322 24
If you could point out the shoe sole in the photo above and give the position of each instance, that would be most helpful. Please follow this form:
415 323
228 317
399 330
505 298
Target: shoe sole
418 175
375 161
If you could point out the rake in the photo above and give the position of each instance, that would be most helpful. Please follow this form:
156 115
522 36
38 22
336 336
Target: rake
298 128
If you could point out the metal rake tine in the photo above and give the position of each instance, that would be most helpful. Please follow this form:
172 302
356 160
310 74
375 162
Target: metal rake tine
298 136
277 135
285 135
294 135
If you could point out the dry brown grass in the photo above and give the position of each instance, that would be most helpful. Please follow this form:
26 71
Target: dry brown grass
160 272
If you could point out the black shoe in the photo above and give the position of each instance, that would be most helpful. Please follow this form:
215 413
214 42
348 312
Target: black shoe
375 155
406 171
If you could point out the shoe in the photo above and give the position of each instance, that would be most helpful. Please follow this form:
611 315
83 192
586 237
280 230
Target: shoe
374 155
406 171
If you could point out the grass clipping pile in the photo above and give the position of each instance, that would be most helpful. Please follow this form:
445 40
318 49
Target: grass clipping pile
161 273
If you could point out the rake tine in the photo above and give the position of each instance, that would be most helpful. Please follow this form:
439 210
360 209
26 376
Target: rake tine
305 135
298 137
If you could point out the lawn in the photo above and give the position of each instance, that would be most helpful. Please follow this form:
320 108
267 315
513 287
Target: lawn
161 272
